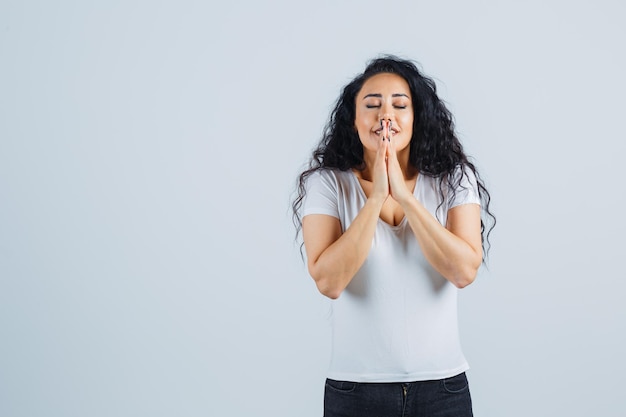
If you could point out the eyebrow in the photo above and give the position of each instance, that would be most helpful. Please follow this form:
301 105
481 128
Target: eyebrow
381 96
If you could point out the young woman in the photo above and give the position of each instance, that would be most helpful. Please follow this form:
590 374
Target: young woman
390 214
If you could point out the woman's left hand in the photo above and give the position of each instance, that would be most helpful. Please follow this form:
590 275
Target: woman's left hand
397 186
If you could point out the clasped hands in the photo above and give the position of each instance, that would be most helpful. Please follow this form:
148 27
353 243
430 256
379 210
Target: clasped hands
388 176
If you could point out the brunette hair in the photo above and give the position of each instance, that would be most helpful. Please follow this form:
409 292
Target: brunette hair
435 150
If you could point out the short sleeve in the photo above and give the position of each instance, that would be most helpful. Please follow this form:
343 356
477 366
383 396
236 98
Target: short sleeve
321 194
466 192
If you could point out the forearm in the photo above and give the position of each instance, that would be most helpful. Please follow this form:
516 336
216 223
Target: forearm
449 254
338 263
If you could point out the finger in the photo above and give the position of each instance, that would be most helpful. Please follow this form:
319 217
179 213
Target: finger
387 149
384 125
384 148
380 152
384 156
391 148
387 129
383 128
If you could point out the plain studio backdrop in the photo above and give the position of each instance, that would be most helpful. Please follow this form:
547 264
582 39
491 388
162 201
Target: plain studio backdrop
148 154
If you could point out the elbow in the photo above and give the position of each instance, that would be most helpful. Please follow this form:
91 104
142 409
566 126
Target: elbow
464 282
465 277
331 293
466 272
327 289
326 286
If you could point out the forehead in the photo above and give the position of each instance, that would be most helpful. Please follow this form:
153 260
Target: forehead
385 83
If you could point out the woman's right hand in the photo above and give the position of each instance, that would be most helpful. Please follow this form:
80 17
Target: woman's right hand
380 177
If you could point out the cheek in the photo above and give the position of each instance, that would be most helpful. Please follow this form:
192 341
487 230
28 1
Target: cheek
408 124
361 127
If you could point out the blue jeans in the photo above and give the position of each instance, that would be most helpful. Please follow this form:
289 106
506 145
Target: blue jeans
449 397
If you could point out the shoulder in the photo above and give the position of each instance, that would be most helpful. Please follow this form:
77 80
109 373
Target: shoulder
461 177
333 178
325 191
462 186
331 173
464 175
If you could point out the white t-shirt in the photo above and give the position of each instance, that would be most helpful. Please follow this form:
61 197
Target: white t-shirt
397 319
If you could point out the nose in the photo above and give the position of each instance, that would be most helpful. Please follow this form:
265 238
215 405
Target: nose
386 118
386 113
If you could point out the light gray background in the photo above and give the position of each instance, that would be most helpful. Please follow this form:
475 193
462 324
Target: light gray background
148 151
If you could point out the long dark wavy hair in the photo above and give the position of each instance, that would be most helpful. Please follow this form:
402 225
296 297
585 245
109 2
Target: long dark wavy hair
435 149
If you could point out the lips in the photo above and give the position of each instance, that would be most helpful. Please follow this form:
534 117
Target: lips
393 131
386 124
